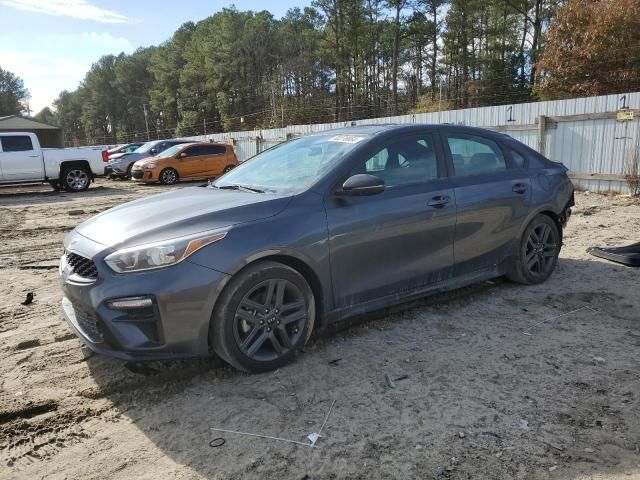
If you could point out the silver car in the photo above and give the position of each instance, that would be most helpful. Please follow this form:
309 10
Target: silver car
120 167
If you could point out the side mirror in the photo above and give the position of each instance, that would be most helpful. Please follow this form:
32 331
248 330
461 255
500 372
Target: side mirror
362 184
153 151
182 155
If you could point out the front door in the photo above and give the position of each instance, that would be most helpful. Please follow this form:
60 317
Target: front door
193 163
493 199
19 161
401 240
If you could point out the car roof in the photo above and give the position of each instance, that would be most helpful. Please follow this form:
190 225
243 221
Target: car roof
390 128
206 144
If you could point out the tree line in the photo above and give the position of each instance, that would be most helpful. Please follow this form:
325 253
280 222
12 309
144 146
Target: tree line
342 60
13 94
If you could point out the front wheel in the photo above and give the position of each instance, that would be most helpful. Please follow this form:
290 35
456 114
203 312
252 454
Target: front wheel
228 168
168 176
75 179
538 252
263 318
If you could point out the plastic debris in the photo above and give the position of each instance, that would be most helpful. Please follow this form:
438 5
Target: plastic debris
29 299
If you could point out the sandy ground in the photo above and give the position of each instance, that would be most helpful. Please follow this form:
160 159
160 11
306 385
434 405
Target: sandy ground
504 381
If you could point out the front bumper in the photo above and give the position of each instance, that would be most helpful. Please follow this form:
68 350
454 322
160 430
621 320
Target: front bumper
176 325
119 170
141 175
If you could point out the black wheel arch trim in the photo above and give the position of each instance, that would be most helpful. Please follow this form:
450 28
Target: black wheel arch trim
548 210
321 287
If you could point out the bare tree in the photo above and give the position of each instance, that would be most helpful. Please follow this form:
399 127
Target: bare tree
631 171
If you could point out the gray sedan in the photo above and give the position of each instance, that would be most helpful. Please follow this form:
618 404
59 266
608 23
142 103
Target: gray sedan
307 233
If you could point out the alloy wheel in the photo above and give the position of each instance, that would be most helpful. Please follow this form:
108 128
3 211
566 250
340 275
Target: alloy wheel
77 179
270 320
169 177
541 249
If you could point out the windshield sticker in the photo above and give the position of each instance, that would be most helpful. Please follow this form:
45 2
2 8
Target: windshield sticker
347 138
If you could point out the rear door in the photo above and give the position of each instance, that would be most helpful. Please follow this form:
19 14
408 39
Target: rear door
19 160
493 198
215 160
401 240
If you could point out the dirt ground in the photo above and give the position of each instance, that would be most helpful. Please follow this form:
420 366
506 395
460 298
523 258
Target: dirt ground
504 381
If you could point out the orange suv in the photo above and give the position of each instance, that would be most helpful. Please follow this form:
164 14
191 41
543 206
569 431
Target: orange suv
185 161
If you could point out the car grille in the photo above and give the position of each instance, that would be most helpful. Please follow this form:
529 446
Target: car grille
82 266
88 324
137 174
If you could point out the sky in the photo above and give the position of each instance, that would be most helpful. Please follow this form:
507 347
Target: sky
51 44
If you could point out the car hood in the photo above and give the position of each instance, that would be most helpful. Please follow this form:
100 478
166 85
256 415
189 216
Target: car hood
146 160
175 214
127 158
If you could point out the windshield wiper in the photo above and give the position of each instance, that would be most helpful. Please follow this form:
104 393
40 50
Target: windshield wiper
240 187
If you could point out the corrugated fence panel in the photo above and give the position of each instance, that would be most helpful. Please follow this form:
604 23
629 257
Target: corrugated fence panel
598 146
245 148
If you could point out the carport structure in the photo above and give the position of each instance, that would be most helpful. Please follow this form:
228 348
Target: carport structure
49 135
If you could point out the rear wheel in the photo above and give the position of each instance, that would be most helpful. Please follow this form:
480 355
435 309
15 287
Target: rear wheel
168 176
538 252
75 179
263 318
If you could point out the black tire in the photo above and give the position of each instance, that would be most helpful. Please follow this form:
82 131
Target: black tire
128 174
228 168
168 176
236 329
75 178
538 252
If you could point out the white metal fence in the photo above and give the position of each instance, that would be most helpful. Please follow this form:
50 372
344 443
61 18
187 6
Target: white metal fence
586 134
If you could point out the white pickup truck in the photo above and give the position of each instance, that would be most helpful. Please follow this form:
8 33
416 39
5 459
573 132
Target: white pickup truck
23 161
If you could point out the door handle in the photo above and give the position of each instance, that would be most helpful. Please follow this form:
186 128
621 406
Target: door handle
439 201
519 188
34 156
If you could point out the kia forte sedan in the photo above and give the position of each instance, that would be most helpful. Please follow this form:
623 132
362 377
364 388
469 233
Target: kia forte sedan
309 232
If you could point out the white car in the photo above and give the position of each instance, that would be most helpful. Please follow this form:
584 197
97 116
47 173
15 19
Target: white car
23 161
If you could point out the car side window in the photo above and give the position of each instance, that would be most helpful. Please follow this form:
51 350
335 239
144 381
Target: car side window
193 151
403 162
16 143
473 155
214 150
518 160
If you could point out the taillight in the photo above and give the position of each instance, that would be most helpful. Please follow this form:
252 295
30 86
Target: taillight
105 156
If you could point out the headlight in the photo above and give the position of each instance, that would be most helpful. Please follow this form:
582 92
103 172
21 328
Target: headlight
149 166
159 254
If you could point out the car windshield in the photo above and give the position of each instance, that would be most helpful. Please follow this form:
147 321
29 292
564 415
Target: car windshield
171 151
292 166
